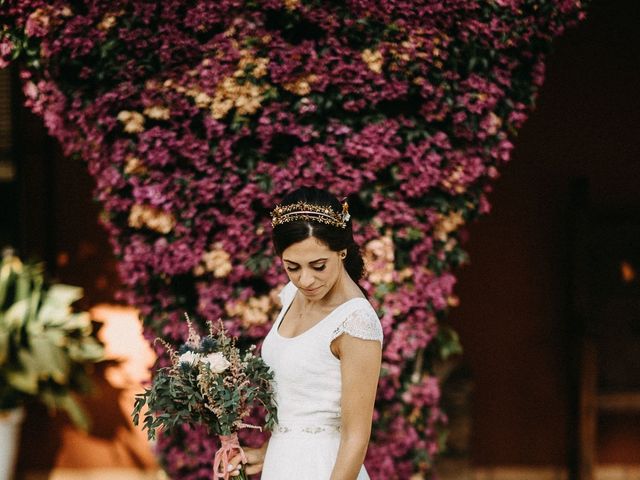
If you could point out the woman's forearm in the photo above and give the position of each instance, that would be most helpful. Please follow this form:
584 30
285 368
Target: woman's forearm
351 454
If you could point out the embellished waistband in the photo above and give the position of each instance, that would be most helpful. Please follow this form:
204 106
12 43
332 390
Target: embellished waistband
312 429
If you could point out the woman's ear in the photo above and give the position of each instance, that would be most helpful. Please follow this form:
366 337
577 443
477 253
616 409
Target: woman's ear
343 254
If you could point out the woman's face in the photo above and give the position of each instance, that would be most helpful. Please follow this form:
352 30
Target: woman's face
312 267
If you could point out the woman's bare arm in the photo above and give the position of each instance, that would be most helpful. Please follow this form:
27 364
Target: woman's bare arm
360 369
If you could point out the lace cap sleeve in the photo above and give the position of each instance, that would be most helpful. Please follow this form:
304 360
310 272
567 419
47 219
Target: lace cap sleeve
361 323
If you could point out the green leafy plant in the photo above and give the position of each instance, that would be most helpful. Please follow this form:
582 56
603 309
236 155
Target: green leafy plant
45 347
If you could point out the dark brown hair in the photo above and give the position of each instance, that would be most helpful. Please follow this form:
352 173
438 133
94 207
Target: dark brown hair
335 237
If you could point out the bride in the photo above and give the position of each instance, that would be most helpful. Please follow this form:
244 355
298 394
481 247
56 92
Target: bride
324 347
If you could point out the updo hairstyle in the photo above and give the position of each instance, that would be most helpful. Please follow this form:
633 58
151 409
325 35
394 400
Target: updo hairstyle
335 237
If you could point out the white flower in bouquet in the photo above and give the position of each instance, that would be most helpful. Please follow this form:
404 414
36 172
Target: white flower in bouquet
219 393
216 362
189 358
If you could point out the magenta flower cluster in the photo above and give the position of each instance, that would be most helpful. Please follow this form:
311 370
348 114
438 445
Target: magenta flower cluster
195 118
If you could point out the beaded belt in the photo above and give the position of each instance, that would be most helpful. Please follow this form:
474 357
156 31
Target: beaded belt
306 429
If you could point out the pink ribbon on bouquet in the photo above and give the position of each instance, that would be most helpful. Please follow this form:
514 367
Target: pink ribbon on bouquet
225 453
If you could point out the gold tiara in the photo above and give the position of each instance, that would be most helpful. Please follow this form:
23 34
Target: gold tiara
310 212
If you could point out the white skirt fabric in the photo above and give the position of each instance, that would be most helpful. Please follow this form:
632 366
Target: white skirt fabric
302 456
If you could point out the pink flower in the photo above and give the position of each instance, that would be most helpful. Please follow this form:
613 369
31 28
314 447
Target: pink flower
6 49
39 22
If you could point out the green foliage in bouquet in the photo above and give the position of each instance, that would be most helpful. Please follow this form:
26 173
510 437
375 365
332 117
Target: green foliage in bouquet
45 347
209 382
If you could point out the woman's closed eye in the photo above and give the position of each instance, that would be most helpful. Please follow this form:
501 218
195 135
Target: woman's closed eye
319 269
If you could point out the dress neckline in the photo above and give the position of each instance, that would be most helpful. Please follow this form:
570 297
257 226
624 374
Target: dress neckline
285 310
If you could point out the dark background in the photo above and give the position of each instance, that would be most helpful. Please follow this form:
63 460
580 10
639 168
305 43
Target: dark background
515 318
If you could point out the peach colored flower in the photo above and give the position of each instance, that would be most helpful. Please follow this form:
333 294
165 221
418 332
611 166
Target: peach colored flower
448 224
134 166
495 122
261 303
258 64
379 259
302 86
216 260
405 273
157 112
107 22
133 121
253 312
152 218
455 180
254 316
201 98
373 59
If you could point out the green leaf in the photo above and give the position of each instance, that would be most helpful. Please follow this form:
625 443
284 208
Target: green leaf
383 288
44 346
50 359
16 315
449 342
414 234
24 379
4 346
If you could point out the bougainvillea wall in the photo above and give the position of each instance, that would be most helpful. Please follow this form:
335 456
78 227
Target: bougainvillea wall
195 118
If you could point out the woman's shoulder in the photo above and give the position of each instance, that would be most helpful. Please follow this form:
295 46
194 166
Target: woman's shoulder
358 302
360 320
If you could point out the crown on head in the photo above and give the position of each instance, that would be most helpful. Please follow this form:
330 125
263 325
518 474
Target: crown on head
310 212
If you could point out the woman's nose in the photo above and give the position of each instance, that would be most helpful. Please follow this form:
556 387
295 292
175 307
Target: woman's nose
306 278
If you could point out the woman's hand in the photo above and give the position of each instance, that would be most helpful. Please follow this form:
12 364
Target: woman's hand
255 459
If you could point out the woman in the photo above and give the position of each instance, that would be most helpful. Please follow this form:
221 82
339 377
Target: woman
324 347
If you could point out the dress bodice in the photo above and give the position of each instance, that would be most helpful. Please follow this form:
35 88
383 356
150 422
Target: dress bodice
307 374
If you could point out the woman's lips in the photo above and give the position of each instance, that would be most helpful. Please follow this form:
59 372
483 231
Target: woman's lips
310 290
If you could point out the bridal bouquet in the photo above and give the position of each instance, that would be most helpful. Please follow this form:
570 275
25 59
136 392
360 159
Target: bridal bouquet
209 382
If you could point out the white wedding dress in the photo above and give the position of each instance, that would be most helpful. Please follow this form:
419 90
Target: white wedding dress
304 445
